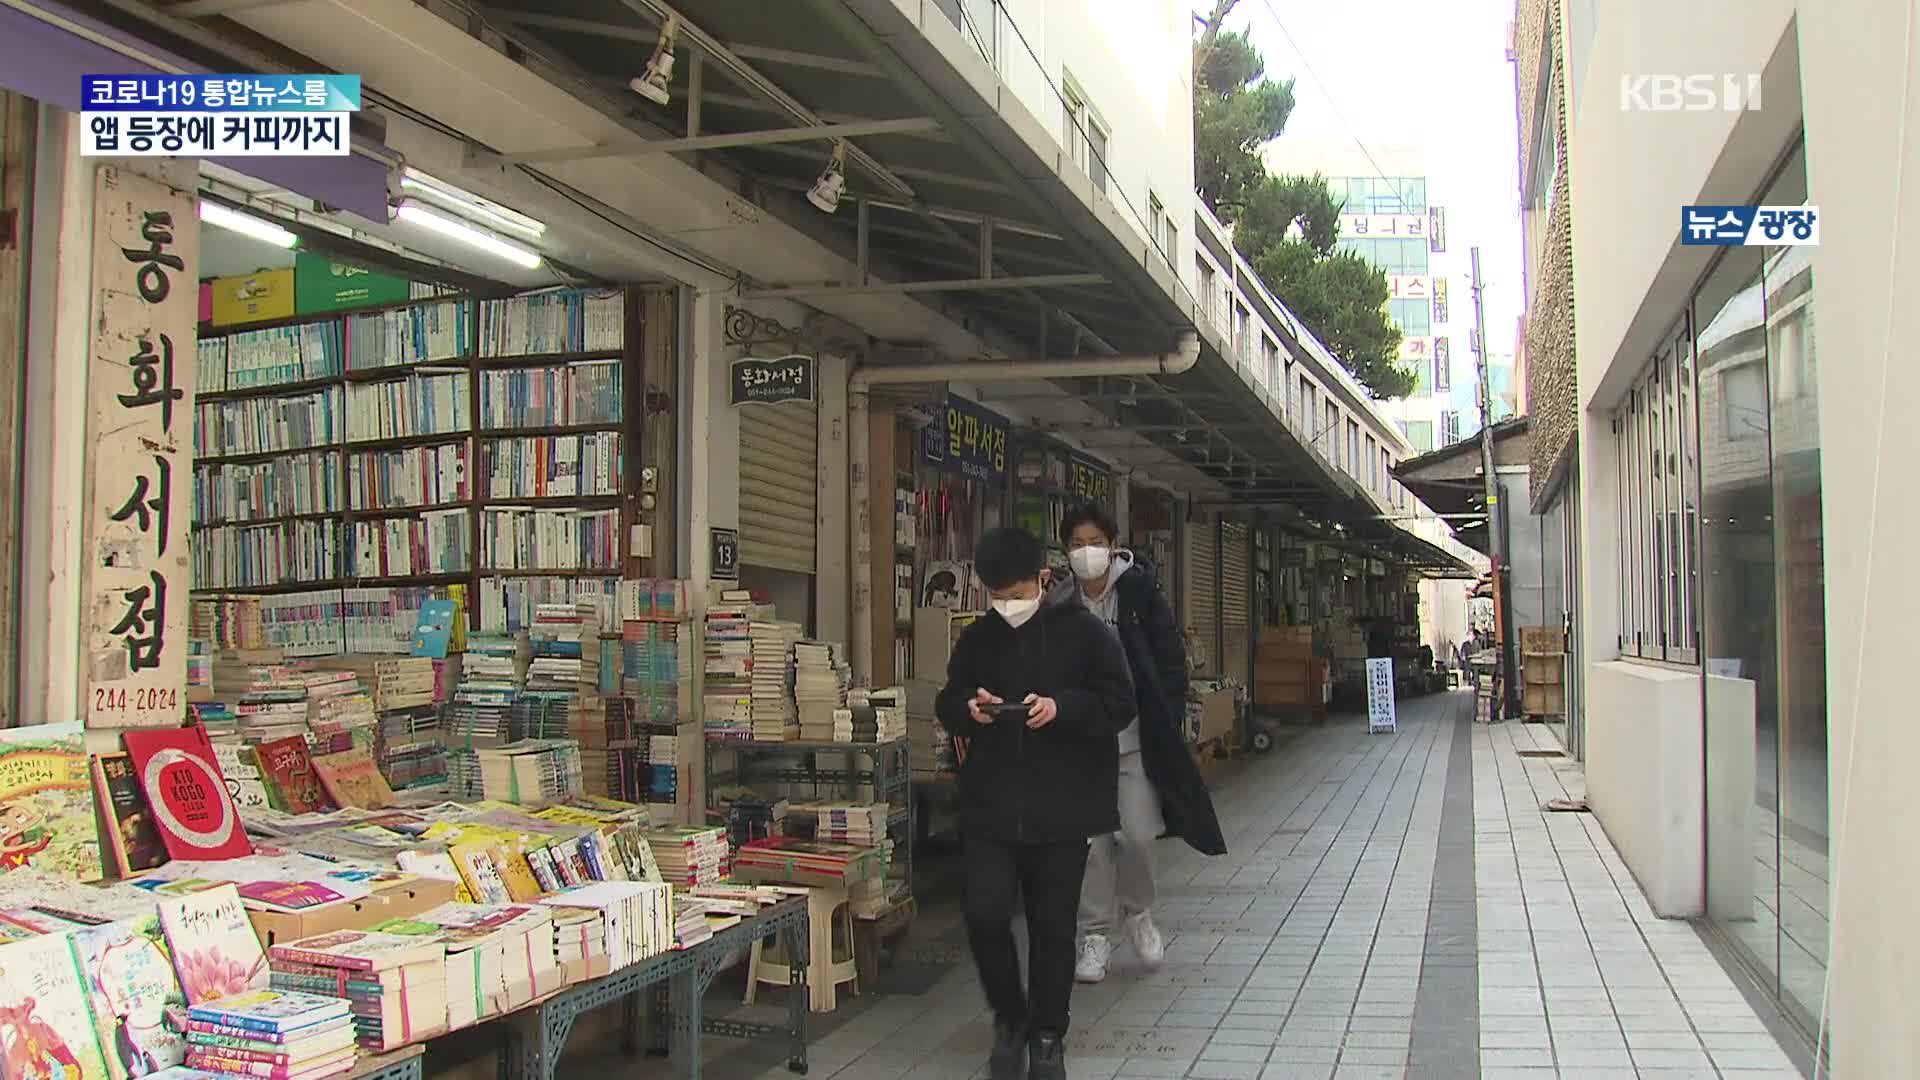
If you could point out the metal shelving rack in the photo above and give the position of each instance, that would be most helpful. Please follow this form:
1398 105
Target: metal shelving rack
890 775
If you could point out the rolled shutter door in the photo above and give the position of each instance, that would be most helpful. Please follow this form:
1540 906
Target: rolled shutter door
1205 581
779 456
1236 599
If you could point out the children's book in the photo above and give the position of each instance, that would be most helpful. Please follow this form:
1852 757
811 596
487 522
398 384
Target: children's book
132 839
187 793
292 895
353 779
434 632
47 815
360 950
46 1027
215 950
135 993
286 768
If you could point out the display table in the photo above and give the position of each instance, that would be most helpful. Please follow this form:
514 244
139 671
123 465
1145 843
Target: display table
538 1033
401 1064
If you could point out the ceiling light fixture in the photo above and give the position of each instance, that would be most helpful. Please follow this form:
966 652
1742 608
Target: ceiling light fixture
652 83
826 191
232 220
465 204
467 234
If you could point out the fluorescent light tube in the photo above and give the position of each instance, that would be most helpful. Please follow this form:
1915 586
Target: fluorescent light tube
468 205
232 220
467 234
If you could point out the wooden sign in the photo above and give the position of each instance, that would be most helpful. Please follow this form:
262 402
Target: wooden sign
140 377
771 382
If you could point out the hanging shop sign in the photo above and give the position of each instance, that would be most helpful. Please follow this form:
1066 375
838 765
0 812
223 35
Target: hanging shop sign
252 298
724 547
771 382
1416 348
1437 229
146 247
1439 299
322 284
1379 226
967 439
1380 712
1090 481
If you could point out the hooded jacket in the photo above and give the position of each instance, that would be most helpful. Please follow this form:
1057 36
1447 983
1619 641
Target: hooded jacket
1157 661
1059 783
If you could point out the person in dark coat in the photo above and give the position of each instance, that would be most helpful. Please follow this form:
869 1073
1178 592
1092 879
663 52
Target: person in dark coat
1160 791
1041 693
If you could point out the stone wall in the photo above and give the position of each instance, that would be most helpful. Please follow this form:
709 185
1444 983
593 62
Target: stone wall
1553 400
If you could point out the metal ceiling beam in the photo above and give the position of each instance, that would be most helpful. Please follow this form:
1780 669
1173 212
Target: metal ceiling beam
649 35
931 175
1035 281
756 105
200 9
730 140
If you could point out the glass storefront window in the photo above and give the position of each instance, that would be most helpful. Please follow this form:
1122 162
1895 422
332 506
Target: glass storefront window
1762 611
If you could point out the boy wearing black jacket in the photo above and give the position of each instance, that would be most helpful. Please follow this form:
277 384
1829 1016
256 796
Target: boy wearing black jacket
1041 694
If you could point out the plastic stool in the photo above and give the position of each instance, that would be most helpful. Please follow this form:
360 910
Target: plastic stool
825 972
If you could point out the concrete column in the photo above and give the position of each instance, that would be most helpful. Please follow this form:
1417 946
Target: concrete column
832 570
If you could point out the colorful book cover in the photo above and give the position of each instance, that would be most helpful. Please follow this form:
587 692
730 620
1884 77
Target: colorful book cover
326 1065
360 950
47 815
132 839
271 1010
215 950
186 792
286 767
135 993
352 779
290 895
46 1026
434 632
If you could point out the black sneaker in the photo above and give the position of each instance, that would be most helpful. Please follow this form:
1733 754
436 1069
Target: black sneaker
1046 1057
1009 1055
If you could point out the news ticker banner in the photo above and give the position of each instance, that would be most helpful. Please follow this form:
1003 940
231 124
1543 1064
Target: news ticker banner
218 115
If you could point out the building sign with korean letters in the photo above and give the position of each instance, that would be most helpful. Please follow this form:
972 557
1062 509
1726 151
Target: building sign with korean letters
140 451
1090 481
1409 286
1442 364
1382 226
1381 718
1439 299
1437 229
1416 348
967 439
770 382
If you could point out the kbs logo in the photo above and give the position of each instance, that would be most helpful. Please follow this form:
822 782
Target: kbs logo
1689 93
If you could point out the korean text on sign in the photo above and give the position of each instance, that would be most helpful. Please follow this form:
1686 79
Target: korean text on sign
1749 226
977 443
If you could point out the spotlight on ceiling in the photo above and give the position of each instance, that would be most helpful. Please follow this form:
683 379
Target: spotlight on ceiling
826 191
652 83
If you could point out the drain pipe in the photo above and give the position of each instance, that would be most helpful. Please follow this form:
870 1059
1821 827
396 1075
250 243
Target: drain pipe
860 384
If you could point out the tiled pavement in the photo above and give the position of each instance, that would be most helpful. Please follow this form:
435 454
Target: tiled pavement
1393 906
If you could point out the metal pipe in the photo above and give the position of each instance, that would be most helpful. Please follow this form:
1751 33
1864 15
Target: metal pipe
1496 512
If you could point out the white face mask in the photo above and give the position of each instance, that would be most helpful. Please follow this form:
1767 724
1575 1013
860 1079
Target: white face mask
1090 563
1016 612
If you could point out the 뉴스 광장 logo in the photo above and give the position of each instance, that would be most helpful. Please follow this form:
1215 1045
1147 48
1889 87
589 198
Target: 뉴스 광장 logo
1750 226
1689 93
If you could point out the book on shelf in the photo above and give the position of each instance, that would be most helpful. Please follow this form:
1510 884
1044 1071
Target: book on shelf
414 476
424 403
434 542
553 321
416 334
531 538
509 604
271 356
260 425
298 483
553 466
583 392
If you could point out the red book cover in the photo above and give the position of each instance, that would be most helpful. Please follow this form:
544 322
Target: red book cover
287 767
187 793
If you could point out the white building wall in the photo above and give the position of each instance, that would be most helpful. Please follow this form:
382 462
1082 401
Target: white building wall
1843 69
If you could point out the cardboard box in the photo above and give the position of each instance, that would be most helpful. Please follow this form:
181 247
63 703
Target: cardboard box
399 900
1542 639
1543 669
1216 715
1544 700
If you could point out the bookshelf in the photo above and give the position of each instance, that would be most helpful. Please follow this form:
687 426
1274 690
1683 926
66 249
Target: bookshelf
350 466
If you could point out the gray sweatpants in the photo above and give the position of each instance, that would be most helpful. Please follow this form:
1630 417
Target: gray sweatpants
1119 880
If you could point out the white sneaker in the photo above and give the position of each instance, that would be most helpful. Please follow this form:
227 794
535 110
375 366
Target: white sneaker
1095 951
1146 939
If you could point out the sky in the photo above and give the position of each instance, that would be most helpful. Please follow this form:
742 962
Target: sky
1421 74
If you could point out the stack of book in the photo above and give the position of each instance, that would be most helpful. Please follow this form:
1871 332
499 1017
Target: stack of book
751 818
278 1035
787 860
410 749
533 772
729 667
774 718
690 925
929 746
820 678
635 920
340 712
690 856
565 640
859 824
889 705
395 984
403 682
656 671
491 672
274 704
